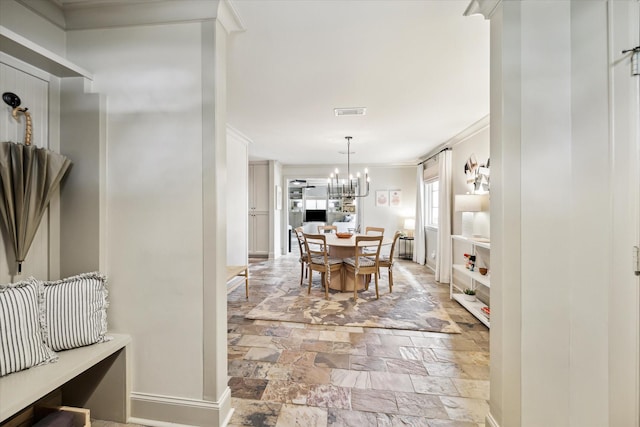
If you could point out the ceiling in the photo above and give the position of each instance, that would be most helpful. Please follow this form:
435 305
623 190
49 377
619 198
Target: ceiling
419 67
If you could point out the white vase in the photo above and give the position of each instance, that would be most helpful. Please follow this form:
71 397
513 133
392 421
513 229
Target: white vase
469 298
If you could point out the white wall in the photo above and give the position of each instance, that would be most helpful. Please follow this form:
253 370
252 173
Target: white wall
237 204
552 110
391 218
478 145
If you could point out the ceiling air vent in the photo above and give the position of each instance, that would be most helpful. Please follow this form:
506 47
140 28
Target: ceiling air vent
353 111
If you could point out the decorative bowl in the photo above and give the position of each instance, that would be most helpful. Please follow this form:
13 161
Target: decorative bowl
483 270
344 235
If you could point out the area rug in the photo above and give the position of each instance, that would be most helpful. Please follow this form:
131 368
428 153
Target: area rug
410 306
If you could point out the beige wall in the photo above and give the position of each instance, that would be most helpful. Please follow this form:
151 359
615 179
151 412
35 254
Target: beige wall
154 195
148 199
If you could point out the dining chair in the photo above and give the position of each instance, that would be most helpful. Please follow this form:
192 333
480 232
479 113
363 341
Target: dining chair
387 261
319 260
304 256
364 263
322 229
374 230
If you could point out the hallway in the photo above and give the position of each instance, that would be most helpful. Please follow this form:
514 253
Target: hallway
290 374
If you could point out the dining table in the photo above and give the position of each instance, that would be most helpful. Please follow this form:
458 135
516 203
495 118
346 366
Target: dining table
345 247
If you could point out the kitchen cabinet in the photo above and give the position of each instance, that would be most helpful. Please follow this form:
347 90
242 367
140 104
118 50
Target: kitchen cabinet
258 209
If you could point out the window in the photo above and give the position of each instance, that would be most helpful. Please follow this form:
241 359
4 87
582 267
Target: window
431 203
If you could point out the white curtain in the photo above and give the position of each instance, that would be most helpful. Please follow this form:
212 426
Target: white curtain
443 262
419 243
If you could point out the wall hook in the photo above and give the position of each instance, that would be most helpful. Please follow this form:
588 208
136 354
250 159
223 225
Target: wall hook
635 71
11 99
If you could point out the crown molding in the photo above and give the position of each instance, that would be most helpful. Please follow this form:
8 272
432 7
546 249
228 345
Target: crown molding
485 8
49 10
238 135
229 17
92 14
461 136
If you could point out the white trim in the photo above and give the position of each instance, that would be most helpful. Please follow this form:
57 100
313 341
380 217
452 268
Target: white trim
485 8
24 49
236 134
229 17
490 421
168 411
24 67
461 136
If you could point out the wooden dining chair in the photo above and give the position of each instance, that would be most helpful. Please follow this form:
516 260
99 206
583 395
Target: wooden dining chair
387 261
364 263
323 229
374 231
304 256
319 260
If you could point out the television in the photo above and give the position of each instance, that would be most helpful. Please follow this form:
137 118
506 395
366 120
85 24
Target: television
315 215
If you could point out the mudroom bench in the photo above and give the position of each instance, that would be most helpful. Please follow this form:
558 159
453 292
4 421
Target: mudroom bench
95 377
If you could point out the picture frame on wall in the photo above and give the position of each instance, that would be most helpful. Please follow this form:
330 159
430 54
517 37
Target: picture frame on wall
395 198
382 198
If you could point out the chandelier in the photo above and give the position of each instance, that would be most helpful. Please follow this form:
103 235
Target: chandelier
348 188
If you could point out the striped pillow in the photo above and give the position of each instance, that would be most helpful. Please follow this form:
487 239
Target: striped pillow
76 311
21 331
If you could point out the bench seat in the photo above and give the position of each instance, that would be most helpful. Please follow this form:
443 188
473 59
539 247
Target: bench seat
94 377
239 270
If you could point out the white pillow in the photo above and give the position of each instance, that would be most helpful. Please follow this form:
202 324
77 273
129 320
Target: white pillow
75 311
22 331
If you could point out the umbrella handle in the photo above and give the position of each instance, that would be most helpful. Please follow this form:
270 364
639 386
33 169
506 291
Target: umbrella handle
27 133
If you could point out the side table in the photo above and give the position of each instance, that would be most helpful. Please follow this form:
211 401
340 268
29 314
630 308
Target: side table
406 247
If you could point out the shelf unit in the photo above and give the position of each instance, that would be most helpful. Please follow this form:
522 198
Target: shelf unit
455 291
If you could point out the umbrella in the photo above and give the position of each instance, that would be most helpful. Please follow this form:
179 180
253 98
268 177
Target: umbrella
29 176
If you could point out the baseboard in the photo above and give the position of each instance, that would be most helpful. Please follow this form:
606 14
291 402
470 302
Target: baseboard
165 411
234 283
490 421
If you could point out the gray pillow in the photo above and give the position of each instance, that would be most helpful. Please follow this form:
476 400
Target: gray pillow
75 311
22 331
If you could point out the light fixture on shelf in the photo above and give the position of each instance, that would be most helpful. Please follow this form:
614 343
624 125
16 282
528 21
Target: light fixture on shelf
348 188
468 204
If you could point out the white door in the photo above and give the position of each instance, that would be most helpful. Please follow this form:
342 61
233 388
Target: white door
624 294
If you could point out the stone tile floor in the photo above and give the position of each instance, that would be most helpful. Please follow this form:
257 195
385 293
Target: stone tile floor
293 374
299 375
